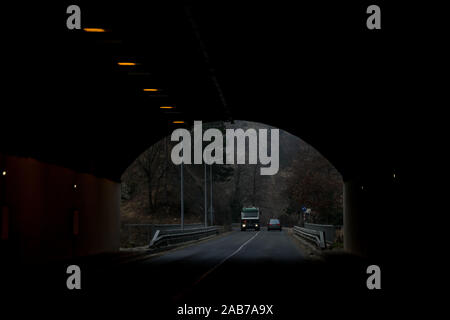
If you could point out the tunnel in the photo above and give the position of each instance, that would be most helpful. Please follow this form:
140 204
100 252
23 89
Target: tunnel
83 104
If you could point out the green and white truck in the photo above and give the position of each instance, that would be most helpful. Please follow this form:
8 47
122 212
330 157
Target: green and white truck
250 219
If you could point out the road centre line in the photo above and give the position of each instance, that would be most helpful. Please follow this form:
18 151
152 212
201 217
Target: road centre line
225 259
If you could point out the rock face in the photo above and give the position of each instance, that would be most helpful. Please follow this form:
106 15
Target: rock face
151 185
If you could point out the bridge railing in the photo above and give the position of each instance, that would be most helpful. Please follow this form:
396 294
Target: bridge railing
315 236
140 234
329 229
168 237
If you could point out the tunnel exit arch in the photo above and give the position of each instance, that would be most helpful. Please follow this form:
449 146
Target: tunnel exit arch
356 239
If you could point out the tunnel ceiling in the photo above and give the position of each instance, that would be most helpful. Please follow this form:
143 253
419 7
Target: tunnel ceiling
312 70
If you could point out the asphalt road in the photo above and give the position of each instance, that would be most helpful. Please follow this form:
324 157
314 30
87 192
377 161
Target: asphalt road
261 268
246 258
181 272
238 268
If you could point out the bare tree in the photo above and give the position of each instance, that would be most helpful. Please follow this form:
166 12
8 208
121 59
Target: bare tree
154 166
316 184
255 188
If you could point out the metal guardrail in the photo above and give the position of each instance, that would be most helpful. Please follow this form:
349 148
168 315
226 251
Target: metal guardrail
145 232
329 229
168 237
315 236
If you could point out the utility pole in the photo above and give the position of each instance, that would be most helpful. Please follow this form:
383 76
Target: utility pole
206 202
182 197
211 197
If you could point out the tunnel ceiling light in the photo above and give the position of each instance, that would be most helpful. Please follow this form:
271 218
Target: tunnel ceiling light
151 90
166 107
126 63
178 121
94 30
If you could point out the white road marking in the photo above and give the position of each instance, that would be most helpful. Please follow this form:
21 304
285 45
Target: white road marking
221 262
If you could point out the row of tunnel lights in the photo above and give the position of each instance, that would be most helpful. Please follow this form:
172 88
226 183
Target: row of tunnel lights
130 64
75 186
4 174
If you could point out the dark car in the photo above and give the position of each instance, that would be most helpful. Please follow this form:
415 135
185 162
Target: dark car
274 224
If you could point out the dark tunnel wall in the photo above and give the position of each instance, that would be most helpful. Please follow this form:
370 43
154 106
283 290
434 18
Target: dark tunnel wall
50 212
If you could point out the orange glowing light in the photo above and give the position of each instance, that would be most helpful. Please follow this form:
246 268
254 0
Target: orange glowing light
166 107
126 63
178 122
94 30
151 90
